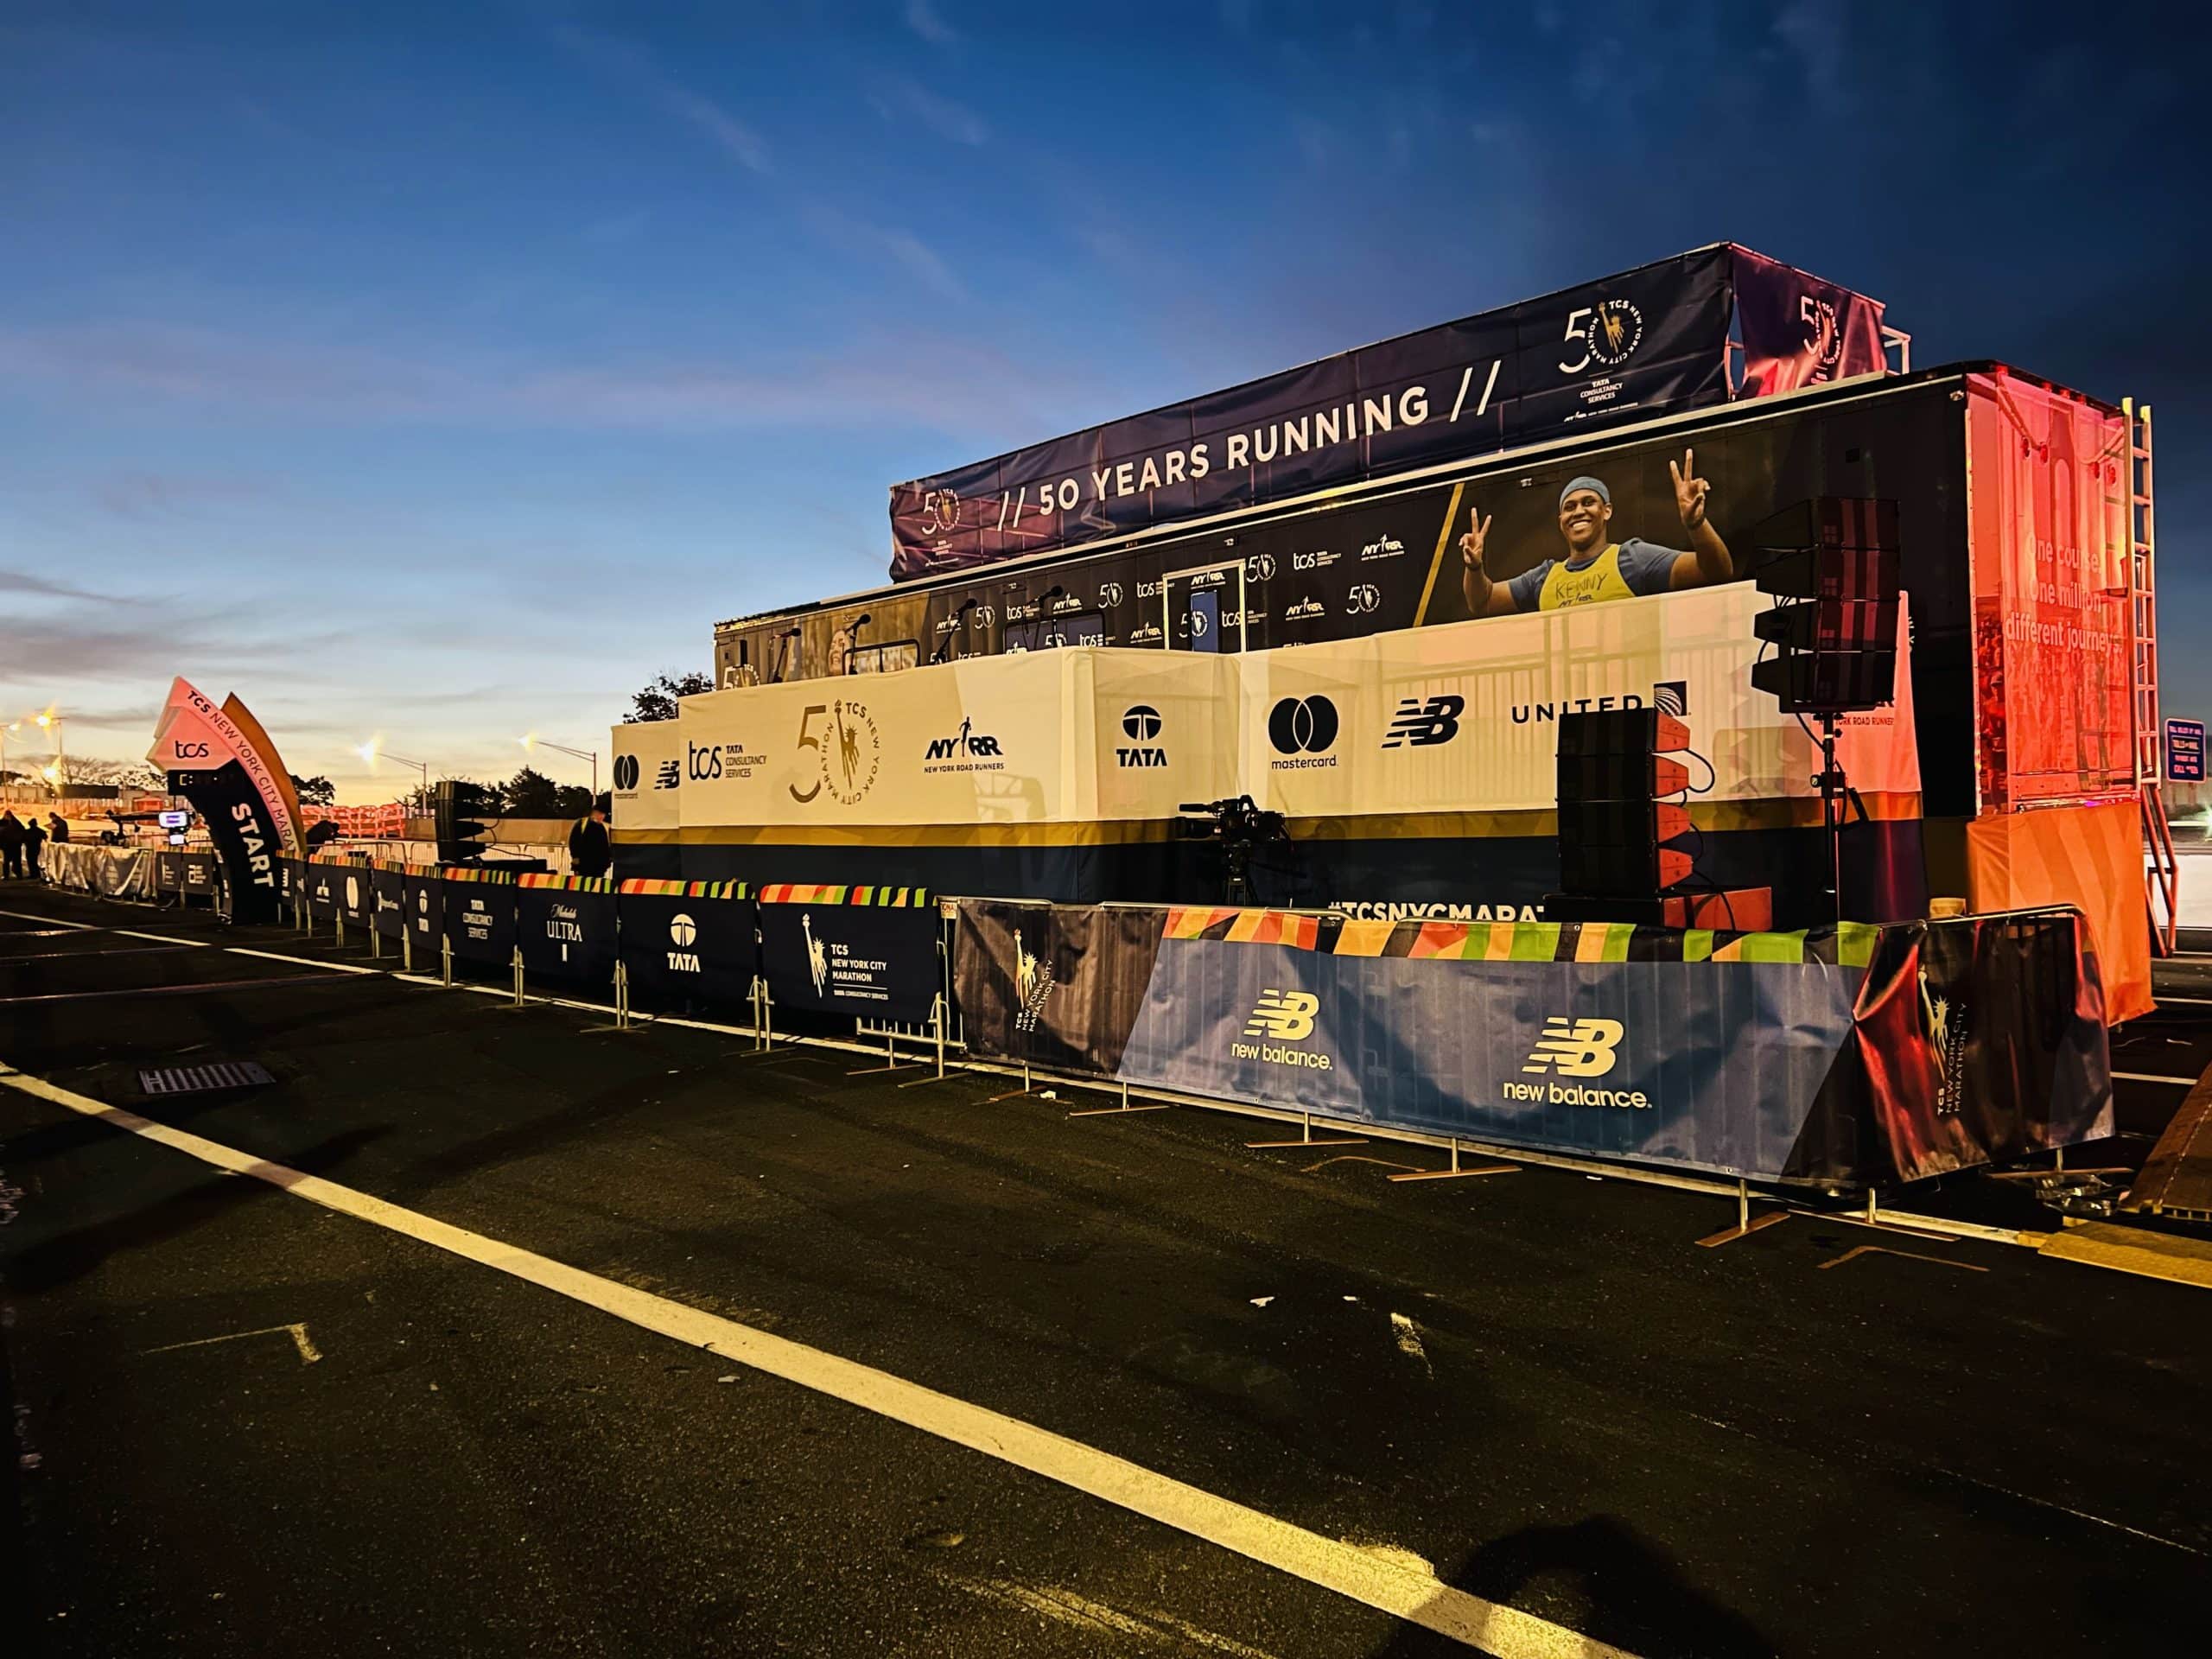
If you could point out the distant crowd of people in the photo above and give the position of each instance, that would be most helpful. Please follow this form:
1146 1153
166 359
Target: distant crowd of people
22 843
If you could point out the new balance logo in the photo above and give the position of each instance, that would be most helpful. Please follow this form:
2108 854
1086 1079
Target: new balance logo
1421 722
1576 1048
1286 1016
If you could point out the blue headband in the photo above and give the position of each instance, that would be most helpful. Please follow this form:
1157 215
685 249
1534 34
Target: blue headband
1595 485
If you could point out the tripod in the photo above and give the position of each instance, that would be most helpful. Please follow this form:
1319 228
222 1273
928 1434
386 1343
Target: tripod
1838 801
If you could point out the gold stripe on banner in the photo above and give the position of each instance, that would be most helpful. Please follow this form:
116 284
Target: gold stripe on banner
1769 813
1443 541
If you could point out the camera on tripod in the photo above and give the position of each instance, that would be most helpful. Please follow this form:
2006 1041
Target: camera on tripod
1241 825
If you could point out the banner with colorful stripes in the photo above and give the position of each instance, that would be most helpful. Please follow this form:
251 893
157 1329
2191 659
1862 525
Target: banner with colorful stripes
1850 946
785 892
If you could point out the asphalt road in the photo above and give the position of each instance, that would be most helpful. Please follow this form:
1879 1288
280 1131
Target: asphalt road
248 1424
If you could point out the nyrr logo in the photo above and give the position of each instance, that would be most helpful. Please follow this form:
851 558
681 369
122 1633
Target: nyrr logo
966 743
1279 1019
1386 546
1421 722
1140 723
1577 1048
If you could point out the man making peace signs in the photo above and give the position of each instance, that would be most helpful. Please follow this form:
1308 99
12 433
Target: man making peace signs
1597 567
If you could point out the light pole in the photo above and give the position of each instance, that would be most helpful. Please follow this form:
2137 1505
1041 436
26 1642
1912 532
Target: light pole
13 725
370 753
534 741
56 774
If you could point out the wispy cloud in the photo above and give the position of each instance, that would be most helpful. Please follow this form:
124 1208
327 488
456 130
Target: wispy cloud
922 17
154 495
23 583
903 99
738 141
630 62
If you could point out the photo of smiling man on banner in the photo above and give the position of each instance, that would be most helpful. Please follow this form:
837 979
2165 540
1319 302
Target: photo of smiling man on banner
1597 567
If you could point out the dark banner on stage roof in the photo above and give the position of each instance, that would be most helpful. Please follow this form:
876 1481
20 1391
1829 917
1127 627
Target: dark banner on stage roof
566 928
1799 331
692 940
480 916
877 962
1644 342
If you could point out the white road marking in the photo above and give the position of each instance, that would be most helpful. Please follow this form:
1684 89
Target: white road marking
2151 1076
1148 1625
309 1352
1348 1570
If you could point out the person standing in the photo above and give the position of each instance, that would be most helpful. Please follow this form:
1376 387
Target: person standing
34 845
11 844
57 827
591 850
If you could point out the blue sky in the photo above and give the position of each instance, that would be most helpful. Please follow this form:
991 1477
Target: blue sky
444 371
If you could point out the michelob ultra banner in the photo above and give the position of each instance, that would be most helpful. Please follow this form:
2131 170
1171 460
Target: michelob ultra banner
565 926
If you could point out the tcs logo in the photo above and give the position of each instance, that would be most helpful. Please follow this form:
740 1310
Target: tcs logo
188 751
702 761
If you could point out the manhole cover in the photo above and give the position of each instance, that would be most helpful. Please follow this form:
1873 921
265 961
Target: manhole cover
198 1079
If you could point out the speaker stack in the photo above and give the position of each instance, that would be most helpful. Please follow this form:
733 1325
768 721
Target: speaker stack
1832 562
1623 810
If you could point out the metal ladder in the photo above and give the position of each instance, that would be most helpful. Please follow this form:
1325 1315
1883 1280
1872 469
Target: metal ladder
2162 873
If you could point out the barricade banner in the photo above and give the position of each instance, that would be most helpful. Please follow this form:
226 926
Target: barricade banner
356 893
422 907
1060 985
860 950
185 875
565 925
323 882
388 883
1775 1055
109 872
480 914
690 938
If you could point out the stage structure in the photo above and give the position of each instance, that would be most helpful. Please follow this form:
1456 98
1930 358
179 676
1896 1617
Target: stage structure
2018 765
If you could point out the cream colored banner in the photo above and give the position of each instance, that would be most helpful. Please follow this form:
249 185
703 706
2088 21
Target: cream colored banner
648 791
1464 717
1457 718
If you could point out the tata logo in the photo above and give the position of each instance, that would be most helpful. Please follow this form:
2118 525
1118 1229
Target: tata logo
1109 594
1421 722
702 761
188 751
682 933
1279 1020
625 772
1315 561
1576 1048
1140 724
1364 600
965 741
1302 726
1386 547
